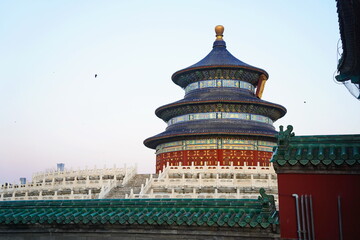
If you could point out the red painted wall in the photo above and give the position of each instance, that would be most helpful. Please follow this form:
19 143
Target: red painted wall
212 157
325 189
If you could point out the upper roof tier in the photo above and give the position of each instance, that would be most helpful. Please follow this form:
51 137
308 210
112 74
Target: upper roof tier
219 57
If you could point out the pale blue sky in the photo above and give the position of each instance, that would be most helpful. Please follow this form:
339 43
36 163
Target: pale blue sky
52 109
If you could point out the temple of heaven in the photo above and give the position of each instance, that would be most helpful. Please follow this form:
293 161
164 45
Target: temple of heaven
222 119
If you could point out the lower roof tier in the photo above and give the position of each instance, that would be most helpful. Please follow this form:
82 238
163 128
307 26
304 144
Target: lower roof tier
213 127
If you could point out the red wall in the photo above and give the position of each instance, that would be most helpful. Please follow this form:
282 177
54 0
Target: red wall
212 157
325 189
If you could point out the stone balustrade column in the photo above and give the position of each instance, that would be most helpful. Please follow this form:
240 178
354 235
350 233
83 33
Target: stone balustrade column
101 179
87 181
269 182
252 180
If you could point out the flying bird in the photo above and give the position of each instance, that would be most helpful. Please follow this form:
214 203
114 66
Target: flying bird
95 75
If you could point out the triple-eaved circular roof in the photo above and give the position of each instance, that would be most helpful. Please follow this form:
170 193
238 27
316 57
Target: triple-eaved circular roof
218 64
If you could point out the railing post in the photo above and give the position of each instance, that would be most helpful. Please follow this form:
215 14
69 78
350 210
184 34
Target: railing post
252 180
101 180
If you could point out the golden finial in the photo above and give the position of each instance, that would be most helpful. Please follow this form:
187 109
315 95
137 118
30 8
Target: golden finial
219 29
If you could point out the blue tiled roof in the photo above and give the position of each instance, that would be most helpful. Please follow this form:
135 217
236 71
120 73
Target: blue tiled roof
221 95
219 127
219 57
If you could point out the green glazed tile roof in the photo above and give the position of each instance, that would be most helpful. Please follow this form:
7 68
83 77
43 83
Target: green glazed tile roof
317 150
195 212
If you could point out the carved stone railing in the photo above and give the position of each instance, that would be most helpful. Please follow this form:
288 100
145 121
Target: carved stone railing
209 182
219 169
219 178
130 173
39 176
51 185
239 195
107 188
148 184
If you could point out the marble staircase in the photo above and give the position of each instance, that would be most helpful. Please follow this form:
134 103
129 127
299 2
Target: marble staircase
135 184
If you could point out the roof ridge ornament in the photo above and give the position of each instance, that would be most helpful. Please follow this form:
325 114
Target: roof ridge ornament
284 136
219 30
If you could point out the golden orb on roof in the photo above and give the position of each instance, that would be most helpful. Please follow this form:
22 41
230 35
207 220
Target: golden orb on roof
219 30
